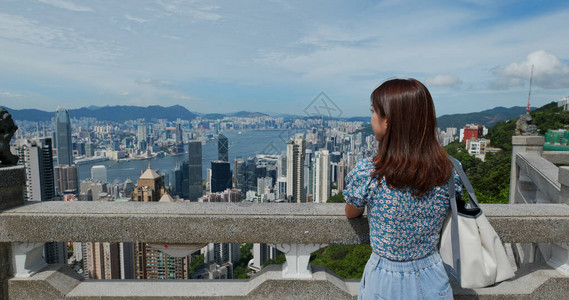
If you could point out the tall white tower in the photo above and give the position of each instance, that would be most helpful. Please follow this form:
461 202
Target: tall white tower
322 176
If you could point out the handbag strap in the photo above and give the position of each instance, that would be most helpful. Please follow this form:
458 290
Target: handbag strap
469 189
454 230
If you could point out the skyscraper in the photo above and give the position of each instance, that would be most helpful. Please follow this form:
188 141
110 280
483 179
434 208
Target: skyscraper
240 170
36 155
195 169
222 148
309 171
251 177
220 176
295 169
281 165
322 174
63 136
67 179
179 139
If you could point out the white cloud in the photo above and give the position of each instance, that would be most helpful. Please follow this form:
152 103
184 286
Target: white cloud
135 19
549 72
67 5
28 31
159 83
443 80
9 95
203 13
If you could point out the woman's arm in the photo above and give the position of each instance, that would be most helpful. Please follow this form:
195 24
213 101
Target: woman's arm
352 211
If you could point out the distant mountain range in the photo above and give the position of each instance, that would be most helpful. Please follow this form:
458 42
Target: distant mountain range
123 113
487 117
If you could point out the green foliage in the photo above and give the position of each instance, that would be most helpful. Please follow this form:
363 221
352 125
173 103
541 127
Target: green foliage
550 116
279 260
348 261
500 136
338 198
241 269
197 262
490 178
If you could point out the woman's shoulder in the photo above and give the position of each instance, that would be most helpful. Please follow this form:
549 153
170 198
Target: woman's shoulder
362 170
365 164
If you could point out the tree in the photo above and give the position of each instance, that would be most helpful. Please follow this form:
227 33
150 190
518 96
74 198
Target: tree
338 198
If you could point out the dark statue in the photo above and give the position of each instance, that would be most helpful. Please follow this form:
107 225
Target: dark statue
7 130
524 126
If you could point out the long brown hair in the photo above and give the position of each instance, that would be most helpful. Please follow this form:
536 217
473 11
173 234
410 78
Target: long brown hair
409 155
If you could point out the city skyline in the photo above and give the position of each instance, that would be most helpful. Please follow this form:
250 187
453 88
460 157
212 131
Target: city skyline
278 57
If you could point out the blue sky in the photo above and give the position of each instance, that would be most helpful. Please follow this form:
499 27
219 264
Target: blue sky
277 56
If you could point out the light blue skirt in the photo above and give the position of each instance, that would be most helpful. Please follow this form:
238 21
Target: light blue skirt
424 278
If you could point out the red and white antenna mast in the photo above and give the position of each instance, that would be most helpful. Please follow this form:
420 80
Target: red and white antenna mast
529 94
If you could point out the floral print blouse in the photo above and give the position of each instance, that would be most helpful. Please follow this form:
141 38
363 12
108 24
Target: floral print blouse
402 226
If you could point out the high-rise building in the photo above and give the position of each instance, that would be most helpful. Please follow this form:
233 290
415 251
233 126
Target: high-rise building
281 165
240 175
222 148
295 169
103 260
251 174
281 188
179 148
67 179
220 176
195 170
309 171
99 173
181 180
37 157
63 136
322 174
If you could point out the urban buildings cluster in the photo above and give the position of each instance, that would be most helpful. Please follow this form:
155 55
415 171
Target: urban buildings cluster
312 169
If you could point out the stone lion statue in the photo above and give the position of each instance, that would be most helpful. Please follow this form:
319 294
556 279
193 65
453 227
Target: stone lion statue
7 130
524 126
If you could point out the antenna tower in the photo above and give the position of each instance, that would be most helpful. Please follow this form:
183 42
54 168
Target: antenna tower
529 94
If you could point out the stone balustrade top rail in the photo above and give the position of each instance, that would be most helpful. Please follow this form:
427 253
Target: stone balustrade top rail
310 223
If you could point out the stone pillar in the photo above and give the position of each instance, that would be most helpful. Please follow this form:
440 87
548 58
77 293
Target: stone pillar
522 144
11 195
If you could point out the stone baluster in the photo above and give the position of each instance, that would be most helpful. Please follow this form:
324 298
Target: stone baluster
297 259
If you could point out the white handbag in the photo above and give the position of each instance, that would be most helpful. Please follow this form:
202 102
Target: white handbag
472 252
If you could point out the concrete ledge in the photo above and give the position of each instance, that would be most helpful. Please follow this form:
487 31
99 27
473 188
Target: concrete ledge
54 282
556 157
518 140
533 282
268 284
311 223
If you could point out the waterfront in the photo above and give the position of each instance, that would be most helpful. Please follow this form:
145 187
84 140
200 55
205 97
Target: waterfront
245 144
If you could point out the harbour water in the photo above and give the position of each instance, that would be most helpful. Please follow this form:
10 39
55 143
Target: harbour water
245 144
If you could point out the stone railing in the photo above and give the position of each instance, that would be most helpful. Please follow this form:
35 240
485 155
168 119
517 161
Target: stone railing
299 228
536 179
